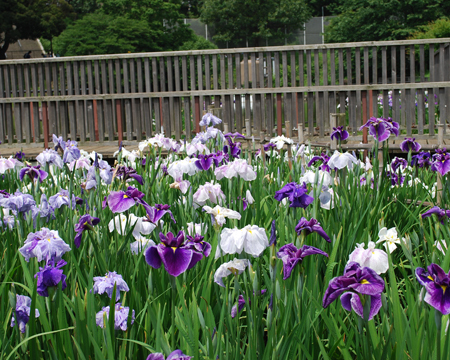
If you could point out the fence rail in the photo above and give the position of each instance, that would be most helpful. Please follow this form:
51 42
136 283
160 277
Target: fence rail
131 96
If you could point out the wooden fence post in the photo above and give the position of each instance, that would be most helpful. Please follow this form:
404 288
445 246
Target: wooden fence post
439 187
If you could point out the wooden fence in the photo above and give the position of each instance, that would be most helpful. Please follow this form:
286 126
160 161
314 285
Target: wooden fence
129 97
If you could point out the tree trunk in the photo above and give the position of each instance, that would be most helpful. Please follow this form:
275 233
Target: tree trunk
3 50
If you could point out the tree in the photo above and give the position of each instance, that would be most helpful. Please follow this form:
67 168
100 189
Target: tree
253 21
30 19
375 20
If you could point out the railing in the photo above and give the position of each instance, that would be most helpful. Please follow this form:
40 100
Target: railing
256 90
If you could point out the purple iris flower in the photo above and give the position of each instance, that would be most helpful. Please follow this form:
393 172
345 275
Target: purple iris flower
442 214
71 152
85 223
233 150
196 243
308 227
220 158
127 173
397 162
120 201
381 128
241 303
422 159
410 144
18 202
105 284
91 180
269 146
437 284
155 213
62 199
356 281
105 171
324 158
34 172
204 162
297 195
174 355
51 157
120 317
233 136
273 235
19 155
59 143
339 133
395 179
4 194
50 276
176 255
210 119
22 311
44 244
441 161
44 210
292 256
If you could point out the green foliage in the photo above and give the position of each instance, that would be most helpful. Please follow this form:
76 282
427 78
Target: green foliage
30 19
198 43
98 33
239 21
375 20
436 29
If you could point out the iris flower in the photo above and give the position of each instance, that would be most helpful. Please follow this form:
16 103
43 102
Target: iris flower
44 245
410 144
105 284
437 285
127 174
85 223
174 355
220 213
51 157
204 162
50 276
210 119
441 161
381 128
324 158
291 256
34 173
120 201
176 255
356 281
121 314
308 227
375 259
441 214
235 267
339 133
251 239
155 213
22 311
297 195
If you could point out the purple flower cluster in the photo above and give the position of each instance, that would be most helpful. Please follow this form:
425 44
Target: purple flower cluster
381 128
50 276
297 195
422 160
324 158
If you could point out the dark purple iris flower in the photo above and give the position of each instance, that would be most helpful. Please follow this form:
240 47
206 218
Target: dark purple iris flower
204 162
297 195
34 172
155 213
120 201
197 243
397 162
381 128
269 146
174 355
308 227
85 223
273 235
241 303
441 161
410 144
324 159
127 173
220 158
356 281
339 133
437 285
292 256
422 160
19 155
395 179
22 312
233 136
233 150
174 253
4 194
50 276
442 214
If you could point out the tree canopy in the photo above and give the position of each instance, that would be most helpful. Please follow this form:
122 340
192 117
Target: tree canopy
253 21
30 19
375 20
